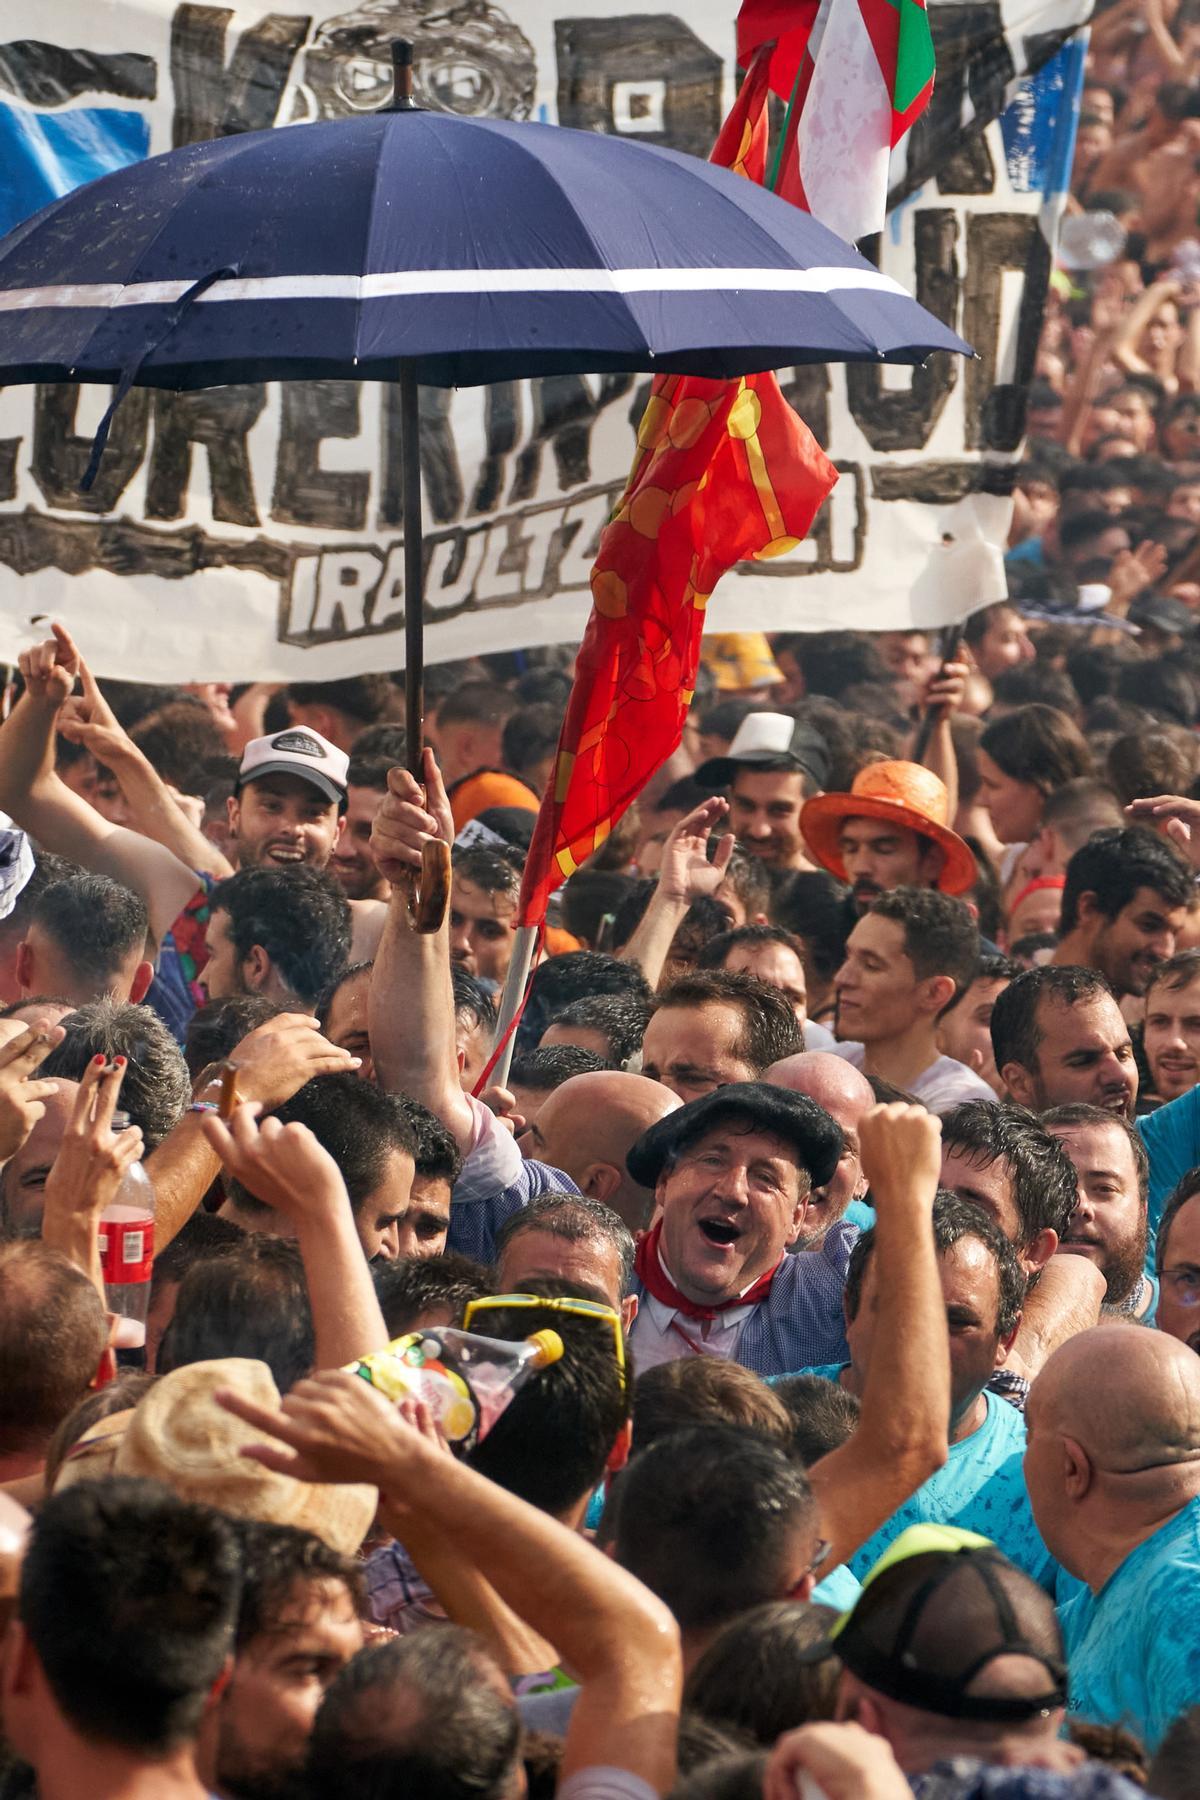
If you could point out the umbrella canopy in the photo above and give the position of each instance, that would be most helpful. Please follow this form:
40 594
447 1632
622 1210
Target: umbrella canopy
472 250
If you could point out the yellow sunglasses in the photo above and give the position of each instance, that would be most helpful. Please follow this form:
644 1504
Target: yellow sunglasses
560 1303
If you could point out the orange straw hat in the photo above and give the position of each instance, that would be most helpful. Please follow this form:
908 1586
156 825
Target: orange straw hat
902 793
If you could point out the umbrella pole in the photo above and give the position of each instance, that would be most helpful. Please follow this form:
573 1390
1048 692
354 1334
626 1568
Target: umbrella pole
432 894
414 584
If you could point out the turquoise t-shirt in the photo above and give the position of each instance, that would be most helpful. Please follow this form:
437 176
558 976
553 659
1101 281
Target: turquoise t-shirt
980 1487
1172 1139
839 1589
1133 1649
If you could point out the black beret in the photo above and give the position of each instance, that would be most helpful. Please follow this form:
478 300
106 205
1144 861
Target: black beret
794 1117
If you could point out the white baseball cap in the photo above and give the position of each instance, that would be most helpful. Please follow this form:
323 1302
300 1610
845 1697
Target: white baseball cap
297 751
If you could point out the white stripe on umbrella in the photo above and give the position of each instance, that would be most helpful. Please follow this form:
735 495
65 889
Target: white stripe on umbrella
457 281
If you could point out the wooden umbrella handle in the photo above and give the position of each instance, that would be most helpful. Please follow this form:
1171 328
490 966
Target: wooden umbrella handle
429 892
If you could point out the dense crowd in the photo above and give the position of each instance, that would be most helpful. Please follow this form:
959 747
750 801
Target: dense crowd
849 1155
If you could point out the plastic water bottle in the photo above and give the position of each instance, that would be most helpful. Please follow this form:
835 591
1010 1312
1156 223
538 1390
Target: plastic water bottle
466 1380
127 1250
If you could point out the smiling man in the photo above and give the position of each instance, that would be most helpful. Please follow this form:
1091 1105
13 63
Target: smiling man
732 1174
1109 1224
288 803
1171 1034
773 765
1125 901
906 959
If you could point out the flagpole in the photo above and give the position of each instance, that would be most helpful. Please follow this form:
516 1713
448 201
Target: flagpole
524 945
773 178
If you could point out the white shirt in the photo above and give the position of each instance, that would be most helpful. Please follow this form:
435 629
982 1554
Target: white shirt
945 1083
661 1333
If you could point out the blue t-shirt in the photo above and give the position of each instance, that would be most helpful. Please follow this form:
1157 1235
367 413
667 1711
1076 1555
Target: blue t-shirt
839 1589
1172 1139
1133 1649
980 1487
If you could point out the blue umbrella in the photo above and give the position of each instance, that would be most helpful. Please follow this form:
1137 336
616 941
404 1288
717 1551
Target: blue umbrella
433 248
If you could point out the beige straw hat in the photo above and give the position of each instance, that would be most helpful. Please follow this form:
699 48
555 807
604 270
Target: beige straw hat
179 1435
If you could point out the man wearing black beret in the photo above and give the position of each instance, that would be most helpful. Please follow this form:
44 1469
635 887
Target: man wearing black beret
732 1173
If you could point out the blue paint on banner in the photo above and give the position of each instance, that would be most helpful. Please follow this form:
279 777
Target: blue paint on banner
44 155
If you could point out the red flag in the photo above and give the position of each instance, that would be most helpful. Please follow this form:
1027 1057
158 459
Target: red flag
724 471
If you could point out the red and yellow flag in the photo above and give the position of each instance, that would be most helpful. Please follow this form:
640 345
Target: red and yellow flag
724 472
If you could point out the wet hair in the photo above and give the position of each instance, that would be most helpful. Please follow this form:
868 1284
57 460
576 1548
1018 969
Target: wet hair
953 1220
492 870
707 1519
549 1066
328 995
988 968
759 1676
1045 1189
97 924
747 937
1114 865
424 1715
156 1089
822 1414
578 975
1015 1033
53 1331
276 1559
704 1390
550 1447
1038 745
250 1300
472 1000
622 1018
410 1286
359 1124
770 1030
940 936
1078 1112
215 1028
129 1596
300 917
576 1219
437 1156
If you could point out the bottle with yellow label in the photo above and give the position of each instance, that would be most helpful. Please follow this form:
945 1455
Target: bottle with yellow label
466 1380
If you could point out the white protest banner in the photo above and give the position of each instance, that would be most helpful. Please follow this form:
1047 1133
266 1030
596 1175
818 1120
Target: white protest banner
254 531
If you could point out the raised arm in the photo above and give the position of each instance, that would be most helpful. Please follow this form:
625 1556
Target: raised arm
87 719
620 1640
684 875
59 819
411 1004
286 1168
900 1439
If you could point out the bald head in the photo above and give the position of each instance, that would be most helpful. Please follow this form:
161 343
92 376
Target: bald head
831 1081
846 1095
587 1126
1129 1397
